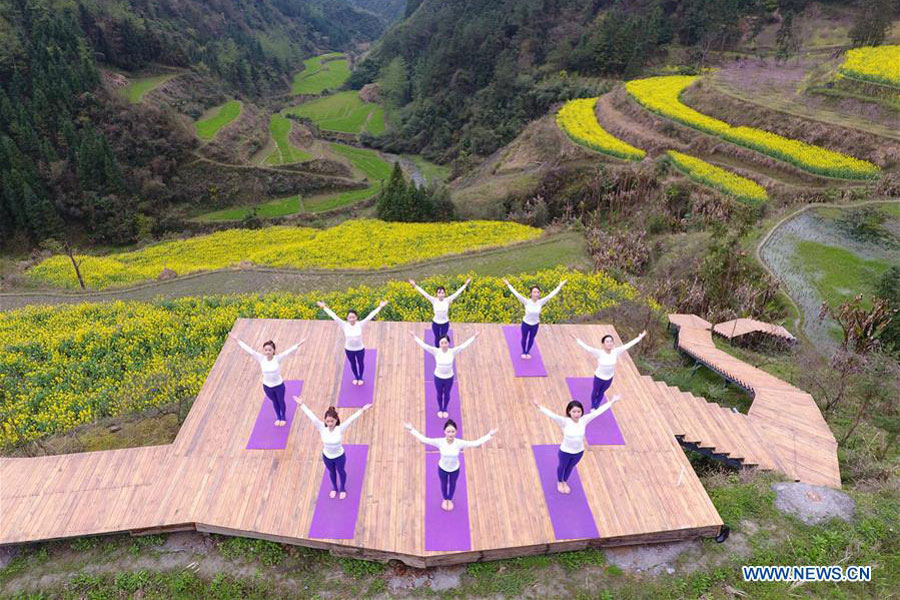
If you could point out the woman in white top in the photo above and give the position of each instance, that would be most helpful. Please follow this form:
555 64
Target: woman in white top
572 448
353 344
332 432
273 384
532 317
448 466
440 324
607 356
443 369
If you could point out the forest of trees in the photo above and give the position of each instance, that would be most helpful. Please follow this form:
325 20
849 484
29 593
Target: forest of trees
74 156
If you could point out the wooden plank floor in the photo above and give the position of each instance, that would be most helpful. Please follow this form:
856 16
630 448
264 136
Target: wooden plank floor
785 418
739 327
206 479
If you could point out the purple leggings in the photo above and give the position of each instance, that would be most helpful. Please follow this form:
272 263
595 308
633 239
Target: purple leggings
276 395
567 464
335 468
600 387
443 387
529 332
448 482
357 359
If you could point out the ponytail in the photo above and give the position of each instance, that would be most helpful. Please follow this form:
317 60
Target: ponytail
332 412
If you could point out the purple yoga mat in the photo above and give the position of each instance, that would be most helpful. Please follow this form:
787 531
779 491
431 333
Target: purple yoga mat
429 359
445 530
434 426
334 518
570 514
265 436
602 430
524 367
355 396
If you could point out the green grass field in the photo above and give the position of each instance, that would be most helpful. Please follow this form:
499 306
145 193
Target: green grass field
321 73
838 274
343 112
280 207
228 112
368 161
286 153
138 88
431 171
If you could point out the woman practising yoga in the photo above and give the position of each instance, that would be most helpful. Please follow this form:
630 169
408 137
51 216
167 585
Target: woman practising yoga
273 384
332 432
353 344
607 356
532 317
448 466
440 324
572 448
443 368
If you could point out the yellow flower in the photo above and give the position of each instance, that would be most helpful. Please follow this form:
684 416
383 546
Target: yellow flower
699 170
577 120
879 64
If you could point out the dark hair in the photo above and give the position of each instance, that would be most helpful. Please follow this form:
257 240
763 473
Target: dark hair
573 404
444 337
269 343
441 288
351 311
450 422
603 339
534 287
332 412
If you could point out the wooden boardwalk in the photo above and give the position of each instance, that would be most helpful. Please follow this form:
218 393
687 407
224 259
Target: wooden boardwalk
783 430
207 480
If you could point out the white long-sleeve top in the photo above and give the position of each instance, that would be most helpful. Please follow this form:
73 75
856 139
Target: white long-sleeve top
352 333
443 361
606 361
271 369
332 439
441 307
573 433
532 307
449 461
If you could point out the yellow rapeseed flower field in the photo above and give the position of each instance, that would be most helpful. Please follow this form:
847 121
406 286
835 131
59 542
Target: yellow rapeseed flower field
662 95
880 64
577 120
699 170
356 244
63 366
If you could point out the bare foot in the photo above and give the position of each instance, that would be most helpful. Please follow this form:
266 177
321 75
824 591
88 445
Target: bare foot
560 488
524 356
332 494
443 505
527 356
342 495
568 490
449 504
277 422
361 382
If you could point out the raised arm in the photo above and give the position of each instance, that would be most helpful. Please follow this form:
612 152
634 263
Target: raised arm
428 348
312 417
330 313
464 345
423 292
425 440
555 291
559 420
249 350
456 294
475 443
515 293
591 349
372 314
288 351
354 417
600 409
625 347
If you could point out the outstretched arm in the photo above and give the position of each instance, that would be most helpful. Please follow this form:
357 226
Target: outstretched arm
330 312
558 419
625 347
423 292
249 350
354 416
290 350
515 293
475 443
426 347
372 314
600 409
312 417
555 291
425 440
464 345
456 294
591 349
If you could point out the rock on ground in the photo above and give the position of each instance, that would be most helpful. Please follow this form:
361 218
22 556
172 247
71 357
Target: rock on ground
813 504
652 558
437 579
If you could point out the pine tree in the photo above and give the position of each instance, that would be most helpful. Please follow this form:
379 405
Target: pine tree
391 202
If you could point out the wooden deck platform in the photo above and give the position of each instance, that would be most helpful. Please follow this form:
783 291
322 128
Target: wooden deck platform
207 480
795 439
736 328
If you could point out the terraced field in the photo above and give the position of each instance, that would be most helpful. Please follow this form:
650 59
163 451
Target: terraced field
285 153
320 73
141 86
343 112
220 117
